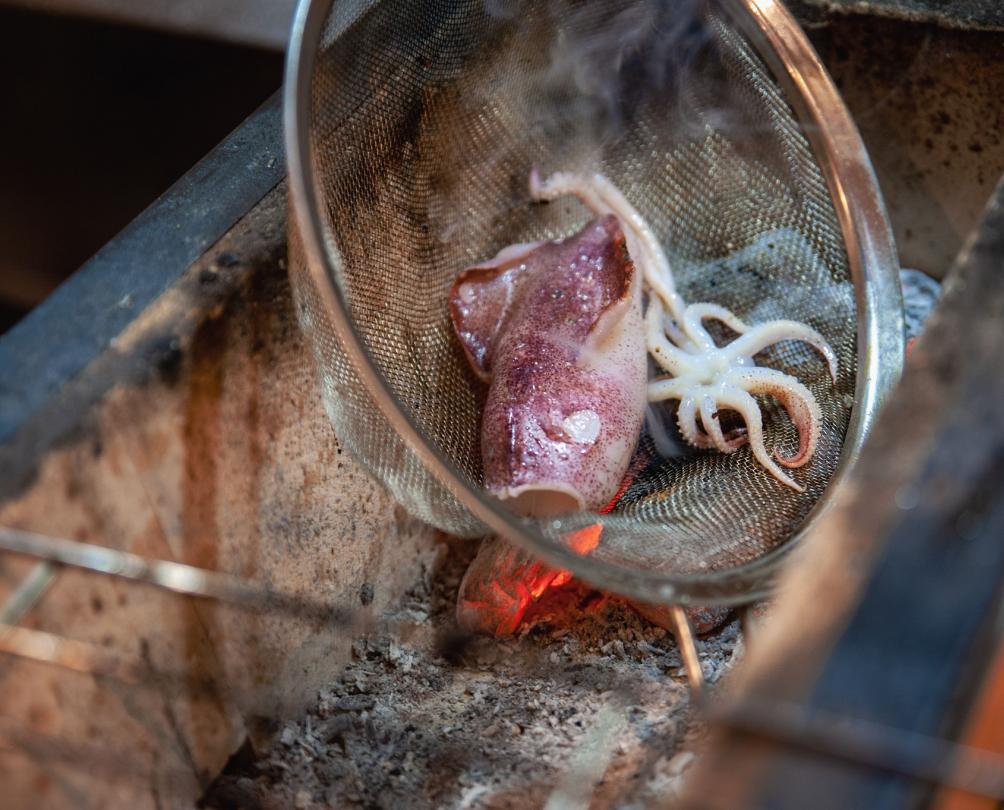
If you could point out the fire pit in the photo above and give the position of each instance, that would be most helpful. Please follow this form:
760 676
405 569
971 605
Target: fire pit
589 703
238 614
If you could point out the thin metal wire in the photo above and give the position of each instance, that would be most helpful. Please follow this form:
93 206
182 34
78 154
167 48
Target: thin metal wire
41 647
28 592
175 577
688 650
79 656
127 668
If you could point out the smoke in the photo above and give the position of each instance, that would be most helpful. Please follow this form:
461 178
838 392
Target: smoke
607 61
660 427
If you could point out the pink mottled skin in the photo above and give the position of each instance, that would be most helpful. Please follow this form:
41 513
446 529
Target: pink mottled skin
556 328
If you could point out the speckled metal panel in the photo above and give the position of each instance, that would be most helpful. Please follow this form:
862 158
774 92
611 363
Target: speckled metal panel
985 14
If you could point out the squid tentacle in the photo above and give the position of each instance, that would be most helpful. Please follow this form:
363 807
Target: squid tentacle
709 418
671 358
766 334
738 400
797 400
669 388
695 315
686 418
703 377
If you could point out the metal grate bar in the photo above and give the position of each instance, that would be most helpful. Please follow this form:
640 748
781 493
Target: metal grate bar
27 594
179 578
79 656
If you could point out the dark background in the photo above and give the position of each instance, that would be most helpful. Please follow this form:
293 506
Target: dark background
96 121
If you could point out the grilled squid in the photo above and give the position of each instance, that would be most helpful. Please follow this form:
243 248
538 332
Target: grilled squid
704 377
556 330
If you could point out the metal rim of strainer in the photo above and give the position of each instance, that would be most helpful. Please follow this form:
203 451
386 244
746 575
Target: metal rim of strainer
781 43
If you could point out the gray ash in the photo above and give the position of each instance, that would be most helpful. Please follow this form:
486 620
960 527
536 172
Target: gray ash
920 295
590 699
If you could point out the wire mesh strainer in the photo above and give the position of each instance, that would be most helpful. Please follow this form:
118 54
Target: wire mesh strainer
410 133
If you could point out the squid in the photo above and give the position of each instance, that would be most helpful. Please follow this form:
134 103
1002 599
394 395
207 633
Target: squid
556 329
704 377
559 332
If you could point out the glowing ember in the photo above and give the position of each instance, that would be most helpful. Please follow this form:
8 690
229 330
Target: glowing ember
585 540
503 581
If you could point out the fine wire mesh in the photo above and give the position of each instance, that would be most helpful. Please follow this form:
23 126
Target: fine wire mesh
423 130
